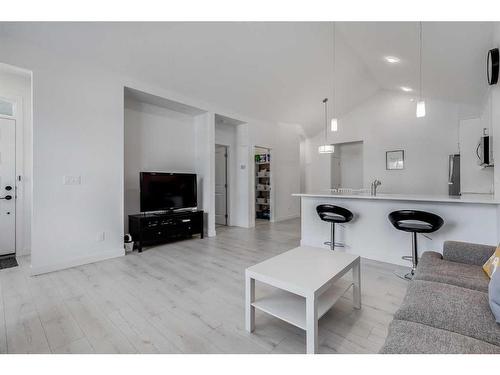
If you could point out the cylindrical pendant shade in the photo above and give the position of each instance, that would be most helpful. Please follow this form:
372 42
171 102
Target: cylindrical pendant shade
334 125
420 108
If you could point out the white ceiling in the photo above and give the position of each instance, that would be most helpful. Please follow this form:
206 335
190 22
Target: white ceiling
278 71
453 56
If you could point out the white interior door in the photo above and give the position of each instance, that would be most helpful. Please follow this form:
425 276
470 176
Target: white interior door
220 185
7 186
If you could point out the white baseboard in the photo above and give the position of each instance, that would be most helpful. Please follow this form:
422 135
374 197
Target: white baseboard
289 217
69 263
23 252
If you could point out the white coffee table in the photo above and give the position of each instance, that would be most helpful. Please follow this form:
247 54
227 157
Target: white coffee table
308 285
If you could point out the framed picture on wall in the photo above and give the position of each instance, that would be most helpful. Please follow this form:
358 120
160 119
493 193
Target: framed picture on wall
395 159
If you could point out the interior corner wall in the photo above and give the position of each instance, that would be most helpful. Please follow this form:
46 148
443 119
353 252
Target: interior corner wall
225 135
286 172
17 86
244 182
205 157
157 140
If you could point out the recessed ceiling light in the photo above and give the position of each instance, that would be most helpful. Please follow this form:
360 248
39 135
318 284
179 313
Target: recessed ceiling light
406 89
392 59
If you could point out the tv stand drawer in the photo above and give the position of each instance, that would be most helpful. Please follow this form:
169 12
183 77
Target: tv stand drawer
160 228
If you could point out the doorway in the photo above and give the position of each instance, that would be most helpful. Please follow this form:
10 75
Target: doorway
263 193
16 161
7 186
221 185
347 166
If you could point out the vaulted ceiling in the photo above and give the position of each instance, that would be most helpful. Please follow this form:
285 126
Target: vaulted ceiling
278 71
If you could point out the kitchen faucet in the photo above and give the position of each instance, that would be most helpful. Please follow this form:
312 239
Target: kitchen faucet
373 190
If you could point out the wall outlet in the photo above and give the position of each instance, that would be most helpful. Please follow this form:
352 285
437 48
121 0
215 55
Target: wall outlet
101 236
72 180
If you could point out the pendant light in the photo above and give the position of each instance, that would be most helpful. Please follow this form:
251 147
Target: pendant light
334 123
326 148
420 101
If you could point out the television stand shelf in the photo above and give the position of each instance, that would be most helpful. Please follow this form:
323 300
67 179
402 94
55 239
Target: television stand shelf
157 228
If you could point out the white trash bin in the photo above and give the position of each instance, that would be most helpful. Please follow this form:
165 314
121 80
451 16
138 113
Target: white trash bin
129 244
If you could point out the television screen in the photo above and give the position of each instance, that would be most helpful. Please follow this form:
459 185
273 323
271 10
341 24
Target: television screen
167 191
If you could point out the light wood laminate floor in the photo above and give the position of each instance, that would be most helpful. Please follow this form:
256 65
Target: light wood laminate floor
185 297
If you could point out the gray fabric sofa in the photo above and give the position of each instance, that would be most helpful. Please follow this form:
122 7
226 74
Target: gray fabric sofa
446 308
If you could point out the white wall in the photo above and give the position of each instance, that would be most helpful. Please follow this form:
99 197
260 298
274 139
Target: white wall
473 177
225 134
244 190
317 166
16 86
387 122
204 149
156 139
78 120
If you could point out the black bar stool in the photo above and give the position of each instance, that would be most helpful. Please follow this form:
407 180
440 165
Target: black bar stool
415 222
333 214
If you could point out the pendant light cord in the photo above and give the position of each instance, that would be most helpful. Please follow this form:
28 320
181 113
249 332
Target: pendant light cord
326 120
420 57
334 72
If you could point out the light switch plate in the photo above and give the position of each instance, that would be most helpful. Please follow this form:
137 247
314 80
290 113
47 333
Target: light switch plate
72 180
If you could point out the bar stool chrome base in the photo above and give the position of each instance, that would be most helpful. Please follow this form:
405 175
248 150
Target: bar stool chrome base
337 244
413 258
405 276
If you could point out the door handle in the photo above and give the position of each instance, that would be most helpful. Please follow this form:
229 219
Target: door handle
7 197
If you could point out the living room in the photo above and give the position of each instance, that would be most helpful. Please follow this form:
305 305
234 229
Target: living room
250 187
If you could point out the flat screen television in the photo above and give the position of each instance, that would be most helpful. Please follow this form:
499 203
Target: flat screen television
167 191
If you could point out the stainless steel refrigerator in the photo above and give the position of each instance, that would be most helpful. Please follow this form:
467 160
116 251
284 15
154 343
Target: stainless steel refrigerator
454 175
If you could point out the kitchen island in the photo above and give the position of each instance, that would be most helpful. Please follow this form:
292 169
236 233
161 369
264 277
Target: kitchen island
471 218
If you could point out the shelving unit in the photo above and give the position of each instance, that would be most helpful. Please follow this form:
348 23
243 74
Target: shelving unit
292 308
262 185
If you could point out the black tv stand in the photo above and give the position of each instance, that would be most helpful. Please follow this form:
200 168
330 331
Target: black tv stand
148 229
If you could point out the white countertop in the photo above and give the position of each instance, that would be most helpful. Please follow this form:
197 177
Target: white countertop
465 198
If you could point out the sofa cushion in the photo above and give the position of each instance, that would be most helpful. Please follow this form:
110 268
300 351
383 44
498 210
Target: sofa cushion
451 308
494 294
414 338
433 268
465 252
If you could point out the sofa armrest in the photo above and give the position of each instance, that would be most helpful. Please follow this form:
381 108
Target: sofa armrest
468 253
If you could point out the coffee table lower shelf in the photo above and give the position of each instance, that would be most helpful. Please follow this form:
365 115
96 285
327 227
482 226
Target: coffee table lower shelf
292 308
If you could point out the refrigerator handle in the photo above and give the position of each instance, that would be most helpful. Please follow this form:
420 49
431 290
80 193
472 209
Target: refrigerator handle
450 166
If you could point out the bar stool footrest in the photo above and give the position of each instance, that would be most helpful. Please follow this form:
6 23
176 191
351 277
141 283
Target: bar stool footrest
337 244
408 276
